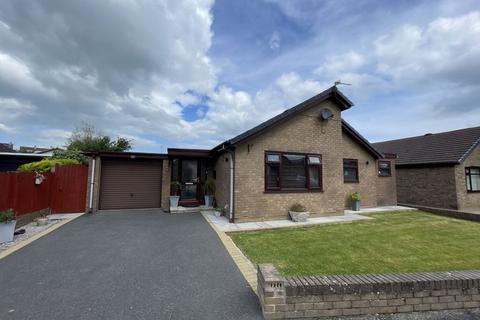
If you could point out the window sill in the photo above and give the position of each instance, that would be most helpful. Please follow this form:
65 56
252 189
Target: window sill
294 191
351 181
473 191
380 176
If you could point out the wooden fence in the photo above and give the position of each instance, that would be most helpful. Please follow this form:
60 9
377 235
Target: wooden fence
63 191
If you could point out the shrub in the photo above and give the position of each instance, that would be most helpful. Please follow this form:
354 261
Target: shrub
176 186
45 165
69 154
297 207
355 196
210 188
6 216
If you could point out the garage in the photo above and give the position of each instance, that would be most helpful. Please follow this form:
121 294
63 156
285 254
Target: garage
129 183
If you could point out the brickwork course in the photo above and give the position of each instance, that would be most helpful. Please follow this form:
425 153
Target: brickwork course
357 295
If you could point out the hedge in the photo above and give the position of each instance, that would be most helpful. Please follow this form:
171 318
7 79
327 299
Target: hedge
45 165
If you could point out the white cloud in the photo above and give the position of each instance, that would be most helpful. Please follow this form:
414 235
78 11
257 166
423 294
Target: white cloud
131 68
7 129
447 49
15 73
274 41
334 66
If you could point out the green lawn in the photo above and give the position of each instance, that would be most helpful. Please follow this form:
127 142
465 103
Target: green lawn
393 242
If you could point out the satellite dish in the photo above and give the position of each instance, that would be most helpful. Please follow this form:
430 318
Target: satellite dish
326 114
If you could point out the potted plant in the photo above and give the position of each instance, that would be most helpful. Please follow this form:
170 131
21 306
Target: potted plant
175 187
355 197
298 212
7 225
42 220
209 185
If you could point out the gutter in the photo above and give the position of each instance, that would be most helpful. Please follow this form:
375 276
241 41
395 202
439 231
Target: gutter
92 185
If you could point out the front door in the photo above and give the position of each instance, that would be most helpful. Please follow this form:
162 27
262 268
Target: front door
189 179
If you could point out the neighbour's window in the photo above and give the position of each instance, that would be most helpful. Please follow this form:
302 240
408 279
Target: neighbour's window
285 171
472 175
350 170
384 168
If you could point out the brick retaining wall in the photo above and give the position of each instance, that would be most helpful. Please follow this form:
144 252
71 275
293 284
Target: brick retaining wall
350 295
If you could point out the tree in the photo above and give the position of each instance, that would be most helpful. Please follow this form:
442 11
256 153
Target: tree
87 138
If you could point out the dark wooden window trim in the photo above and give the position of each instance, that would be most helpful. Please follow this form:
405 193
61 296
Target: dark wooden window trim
356 168
468 177
307 173
389 165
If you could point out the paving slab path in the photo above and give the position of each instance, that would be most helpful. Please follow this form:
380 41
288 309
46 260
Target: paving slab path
126 264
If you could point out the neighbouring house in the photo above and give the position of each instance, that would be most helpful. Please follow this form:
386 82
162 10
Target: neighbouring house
11 159
6 147
35 149
307 154
439 170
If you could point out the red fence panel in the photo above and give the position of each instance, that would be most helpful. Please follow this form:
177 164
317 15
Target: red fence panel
28 196
63 191
5 190
69 189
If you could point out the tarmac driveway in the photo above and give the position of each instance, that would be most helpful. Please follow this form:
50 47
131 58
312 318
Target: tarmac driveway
129 264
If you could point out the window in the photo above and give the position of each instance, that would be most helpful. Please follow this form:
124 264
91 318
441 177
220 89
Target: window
472 175
384 168
292 171
350 170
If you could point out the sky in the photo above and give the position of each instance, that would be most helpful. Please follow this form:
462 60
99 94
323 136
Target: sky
181 73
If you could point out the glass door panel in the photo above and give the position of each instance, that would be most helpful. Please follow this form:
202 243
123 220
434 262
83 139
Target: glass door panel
189 181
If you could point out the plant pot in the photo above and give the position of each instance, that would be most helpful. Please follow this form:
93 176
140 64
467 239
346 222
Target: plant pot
174 201
299 216
208 201
356 205
217 213
43 221
6 231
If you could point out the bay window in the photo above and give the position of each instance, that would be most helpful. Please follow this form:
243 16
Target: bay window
292 171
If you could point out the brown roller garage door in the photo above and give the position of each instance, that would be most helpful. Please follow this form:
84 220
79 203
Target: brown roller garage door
130 184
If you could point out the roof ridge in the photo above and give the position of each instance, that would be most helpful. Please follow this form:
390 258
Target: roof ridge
428 135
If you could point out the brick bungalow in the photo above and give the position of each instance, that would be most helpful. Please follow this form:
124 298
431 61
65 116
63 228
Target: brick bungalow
307 154
439 170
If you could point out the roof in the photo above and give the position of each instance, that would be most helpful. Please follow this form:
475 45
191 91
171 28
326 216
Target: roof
360 139
24 155
6 147
34 149
197 153
450 147
331 93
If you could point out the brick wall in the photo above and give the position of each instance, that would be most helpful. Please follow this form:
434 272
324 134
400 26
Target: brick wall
222 181
303 133
467 200
387 187
166 177
432 186
367 174
355 295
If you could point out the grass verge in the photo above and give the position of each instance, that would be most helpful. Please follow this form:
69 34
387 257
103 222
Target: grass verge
405 241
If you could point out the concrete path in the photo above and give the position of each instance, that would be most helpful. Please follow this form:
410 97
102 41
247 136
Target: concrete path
224 225
126 265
